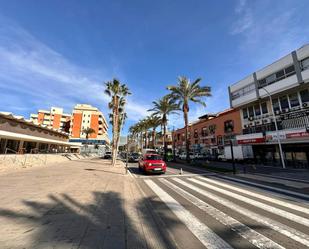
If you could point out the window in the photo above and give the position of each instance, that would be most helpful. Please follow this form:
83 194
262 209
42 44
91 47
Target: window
245 113
251 113
264 108
205 131
257 110
280 75
220 140
276 105
243 91
294 100
229 126
289 70
304 95
284 103
305 64
262 83
270 79
212 129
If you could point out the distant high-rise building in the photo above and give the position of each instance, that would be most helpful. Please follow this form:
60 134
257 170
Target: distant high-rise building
86 116
54 118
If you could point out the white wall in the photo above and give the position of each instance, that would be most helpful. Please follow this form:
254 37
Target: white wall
244 99
303 52
242 83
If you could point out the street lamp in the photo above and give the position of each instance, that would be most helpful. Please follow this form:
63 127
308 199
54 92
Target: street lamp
276 127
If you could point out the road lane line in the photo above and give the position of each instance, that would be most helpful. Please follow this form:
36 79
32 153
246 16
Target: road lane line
266 187
260 196
207 237
246 232
268 208
275 225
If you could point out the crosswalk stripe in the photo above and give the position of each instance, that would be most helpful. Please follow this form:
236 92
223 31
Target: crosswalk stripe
207 237
277 226
246 232
300 195
274 210
260 196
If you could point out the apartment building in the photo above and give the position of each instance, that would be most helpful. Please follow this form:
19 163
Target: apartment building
210 134
86 116
54 118
279 90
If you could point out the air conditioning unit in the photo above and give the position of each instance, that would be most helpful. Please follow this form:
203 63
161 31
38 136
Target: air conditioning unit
266 121
251 118
257 122
305 105
246 126
277 112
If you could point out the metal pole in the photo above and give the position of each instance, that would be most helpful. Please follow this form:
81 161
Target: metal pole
276 127
233 160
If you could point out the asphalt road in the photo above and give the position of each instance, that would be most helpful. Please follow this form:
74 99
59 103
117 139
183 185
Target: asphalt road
200 209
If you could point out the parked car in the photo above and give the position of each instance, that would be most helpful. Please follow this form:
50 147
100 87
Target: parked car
183 156
152 163
149 151
134 157
199 156
222 158
108 155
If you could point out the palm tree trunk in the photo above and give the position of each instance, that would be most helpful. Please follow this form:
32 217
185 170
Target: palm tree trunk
164 141
153 138
142 141
146 137
185 115
115 130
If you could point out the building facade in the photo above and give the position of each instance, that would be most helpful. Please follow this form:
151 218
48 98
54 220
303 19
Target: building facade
280 89
210 134
86 116
19 136
54 118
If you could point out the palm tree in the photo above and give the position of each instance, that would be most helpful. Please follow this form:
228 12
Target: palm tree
117 92
154 122
88 131
164 107
184 92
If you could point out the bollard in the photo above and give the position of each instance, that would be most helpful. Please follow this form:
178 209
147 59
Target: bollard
180 171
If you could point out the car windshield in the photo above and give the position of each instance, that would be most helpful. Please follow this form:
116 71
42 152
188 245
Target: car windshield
153 157
134 154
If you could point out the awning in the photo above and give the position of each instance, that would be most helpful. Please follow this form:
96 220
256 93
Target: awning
24 137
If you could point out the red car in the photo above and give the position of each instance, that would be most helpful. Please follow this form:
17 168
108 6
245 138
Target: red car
152 163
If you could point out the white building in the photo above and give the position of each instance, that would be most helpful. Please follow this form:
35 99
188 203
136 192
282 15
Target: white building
287 81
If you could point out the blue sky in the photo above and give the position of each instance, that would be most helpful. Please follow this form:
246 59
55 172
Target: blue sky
59 53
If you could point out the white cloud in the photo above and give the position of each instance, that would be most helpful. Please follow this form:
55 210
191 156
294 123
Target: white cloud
244 18
42 77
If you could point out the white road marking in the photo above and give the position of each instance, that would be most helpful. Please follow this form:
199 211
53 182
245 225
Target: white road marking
207 237
267 187
275 225
246 232
268 208
168 176
260 196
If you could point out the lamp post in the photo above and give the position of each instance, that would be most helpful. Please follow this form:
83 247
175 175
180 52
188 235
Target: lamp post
276 127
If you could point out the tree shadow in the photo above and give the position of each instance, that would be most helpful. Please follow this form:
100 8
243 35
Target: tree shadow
63 222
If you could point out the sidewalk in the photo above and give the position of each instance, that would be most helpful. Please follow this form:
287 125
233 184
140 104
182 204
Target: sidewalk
81 204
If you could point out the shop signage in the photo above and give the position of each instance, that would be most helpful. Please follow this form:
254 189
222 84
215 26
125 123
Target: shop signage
251 140
297 135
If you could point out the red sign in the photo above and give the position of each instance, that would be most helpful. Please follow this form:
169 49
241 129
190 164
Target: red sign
297 135
251 140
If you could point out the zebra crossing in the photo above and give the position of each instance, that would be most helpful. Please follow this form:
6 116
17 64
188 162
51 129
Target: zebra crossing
208 205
